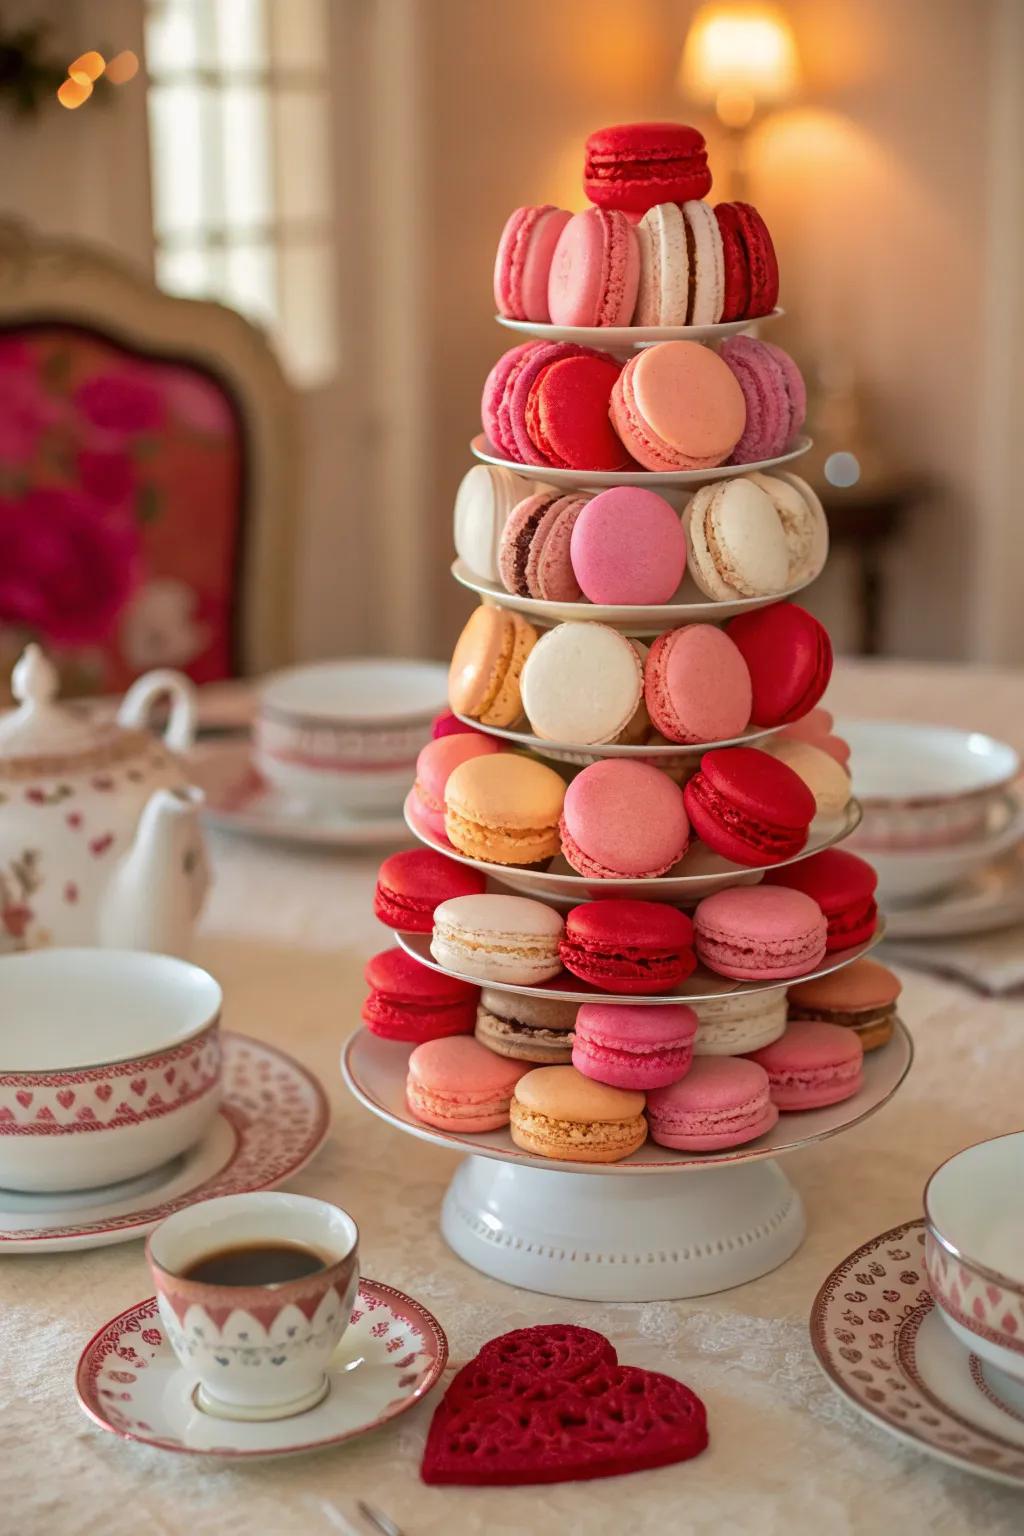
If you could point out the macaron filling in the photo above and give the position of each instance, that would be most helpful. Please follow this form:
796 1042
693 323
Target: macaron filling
727 949
518 946
556 1135
468 1105
521 548
712 1122
779 842
518 845
884 1013
786 1079
599 961
852 921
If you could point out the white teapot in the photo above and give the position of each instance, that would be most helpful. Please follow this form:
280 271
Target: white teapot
99 828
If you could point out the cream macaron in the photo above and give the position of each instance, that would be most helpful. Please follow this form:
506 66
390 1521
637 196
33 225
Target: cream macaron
828 781
536 1029
738 1022
498 938
737 544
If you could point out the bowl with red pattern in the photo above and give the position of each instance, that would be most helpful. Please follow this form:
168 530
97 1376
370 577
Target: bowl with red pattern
110 1065
974 1249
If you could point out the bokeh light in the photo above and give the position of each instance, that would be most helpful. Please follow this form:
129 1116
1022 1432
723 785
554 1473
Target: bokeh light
123 67
73 92
87 67
842 469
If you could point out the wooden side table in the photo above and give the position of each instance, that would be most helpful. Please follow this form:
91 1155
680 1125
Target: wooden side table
865 520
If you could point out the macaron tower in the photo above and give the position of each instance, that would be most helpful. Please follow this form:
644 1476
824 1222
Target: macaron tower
651 784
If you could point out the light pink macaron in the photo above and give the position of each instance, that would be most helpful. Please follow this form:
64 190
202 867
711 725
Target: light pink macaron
595 270
623 820
523 263
812 1064
677 406
632 1046
457 1084
436 761
697 685
723 1101
628 546
744 932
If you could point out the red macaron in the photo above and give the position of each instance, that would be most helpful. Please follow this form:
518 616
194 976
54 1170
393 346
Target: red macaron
844 886
567 418
411 884
638 947
632 166
749 807
751 267
789 655
448 724
408 1002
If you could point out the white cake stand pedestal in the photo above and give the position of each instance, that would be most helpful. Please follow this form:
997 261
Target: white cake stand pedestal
604 1238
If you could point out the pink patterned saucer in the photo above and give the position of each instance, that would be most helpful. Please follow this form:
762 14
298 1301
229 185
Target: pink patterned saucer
129 1382
273 1117
882 1343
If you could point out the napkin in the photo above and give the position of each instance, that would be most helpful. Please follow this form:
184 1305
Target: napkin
992 963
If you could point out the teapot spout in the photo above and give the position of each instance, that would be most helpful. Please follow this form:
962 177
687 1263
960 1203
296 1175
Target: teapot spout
157 889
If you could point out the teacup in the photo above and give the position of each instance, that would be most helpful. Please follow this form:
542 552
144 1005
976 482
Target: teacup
257 1351
343 736
974 1249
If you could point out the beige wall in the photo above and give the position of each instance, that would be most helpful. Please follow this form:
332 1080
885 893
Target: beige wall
897 208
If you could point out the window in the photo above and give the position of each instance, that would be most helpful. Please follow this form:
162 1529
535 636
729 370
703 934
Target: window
240 156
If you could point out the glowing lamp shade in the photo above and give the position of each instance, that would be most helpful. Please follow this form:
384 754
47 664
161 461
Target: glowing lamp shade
739 57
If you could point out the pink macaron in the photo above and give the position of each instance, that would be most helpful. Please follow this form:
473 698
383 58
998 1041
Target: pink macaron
435 763
523 263
534 550
723 1101
457 1084
632 1046
744 932
774 394
623 820
595 270
628 546
812 1064
677 406
496 399
697 686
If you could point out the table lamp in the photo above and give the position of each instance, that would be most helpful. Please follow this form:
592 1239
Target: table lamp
738 58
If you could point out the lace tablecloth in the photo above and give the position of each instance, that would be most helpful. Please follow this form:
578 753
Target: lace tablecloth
287 933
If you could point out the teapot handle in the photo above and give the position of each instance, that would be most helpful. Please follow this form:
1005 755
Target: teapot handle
180 732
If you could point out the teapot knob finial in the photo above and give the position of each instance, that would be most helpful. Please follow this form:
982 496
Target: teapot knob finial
34 679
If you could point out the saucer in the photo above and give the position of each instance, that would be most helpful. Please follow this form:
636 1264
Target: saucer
239 801
882 1343
129 1382
982 902
272 1119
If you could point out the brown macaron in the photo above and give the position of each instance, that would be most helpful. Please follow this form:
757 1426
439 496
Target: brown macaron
862 997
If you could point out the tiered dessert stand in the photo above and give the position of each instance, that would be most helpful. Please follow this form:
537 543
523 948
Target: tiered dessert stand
661 1224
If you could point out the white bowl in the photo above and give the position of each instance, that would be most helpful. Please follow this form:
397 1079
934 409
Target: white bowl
910 874
924 786
110 1065
344 735
974 1250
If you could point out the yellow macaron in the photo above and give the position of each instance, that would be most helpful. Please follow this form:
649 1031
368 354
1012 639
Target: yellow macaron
504 809
489 655
557 1112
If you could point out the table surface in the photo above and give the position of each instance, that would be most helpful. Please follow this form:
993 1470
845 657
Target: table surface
287 933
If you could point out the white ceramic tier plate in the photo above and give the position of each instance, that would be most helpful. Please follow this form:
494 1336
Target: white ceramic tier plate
700 987
694 877
594 479
910 875
129 1382
689 606
375 1071
985 901
618 338
668 756
239 801
881 1342
273 1118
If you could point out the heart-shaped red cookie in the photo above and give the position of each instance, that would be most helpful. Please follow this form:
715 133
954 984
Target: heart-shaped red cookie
548 1405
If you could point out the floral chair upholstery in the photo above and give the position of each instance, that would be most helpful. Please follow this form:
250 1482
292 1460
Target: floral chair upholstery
135 525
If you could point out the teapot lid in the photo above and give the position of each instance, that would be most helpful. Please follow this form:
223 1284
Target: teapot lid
43 729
